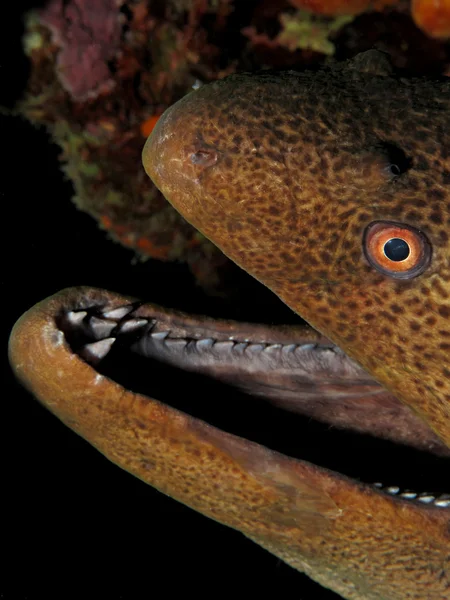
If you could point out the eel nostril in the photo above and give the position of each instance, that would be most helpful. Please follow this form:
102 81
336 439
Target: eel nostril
205 157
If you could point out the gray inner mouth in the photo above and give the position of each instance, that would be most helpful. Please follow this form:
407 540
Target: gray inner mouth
210 376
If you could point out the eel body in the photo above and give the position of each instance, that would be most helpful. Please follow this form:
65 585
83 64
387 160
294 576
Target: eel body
331 188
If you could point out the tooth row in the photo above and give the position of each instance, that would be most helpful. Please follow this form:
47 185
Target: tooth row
105 328
442 501
116 314
101 327
227 345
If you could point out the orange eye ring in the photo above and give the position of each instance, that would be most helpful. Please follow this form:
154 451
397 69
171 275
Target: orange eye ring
396 250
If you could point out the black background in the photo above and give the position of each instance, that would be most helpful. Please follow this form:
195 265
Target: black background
74 524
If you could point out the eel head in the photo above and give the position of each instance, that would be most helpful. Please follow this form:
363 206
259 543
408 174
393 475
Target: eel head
330 188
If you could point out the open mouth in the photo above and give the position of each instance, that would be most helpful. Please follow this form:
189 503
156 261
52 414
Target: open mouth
284 388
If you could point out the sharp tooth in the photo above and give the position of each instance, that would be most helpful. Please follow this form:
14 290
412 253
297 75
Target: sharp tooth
408 495
306 347
240 347
76 317
132 325
118 313
442 503
205 343
272 348
289 348
426 498
392 489
97 350
159 335
256 347
101 328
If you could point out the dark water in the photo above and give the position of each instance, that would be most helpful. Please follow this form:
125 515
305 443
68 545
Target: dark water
73 524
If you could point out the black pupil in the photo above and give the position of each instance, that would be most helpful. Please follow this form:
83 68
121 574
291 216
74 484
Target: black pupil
396 249
395 169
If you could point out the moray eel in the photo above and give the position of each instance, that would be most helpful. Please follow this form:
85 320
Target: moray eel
330 187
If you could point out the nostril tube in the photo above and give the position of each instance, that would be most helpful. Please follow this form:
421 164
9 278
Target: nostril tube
205 157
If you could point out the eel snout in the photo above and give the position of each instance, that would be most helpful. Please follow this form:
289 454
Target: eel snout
176 155
304 179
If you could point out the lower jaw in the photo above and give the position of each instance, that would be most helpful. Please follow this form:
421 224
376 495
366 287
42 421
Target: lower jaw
397 470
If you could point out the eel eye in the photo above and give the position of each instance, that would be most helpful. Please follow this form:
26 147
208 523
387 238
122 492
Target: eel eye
396 250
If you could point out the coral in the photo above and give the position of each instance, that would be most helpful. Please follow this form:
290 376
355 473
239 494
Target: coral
341 7
432 17
88 35
137 64
301 31
307 31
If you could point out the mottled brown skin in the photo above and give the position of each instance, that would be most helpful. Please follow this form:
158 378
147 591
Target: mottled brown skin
346 535
284 172
288 171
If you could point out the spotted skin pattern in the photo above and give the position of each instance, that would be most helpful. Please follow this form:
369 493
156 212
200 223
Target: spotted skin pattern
290 168
285 172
